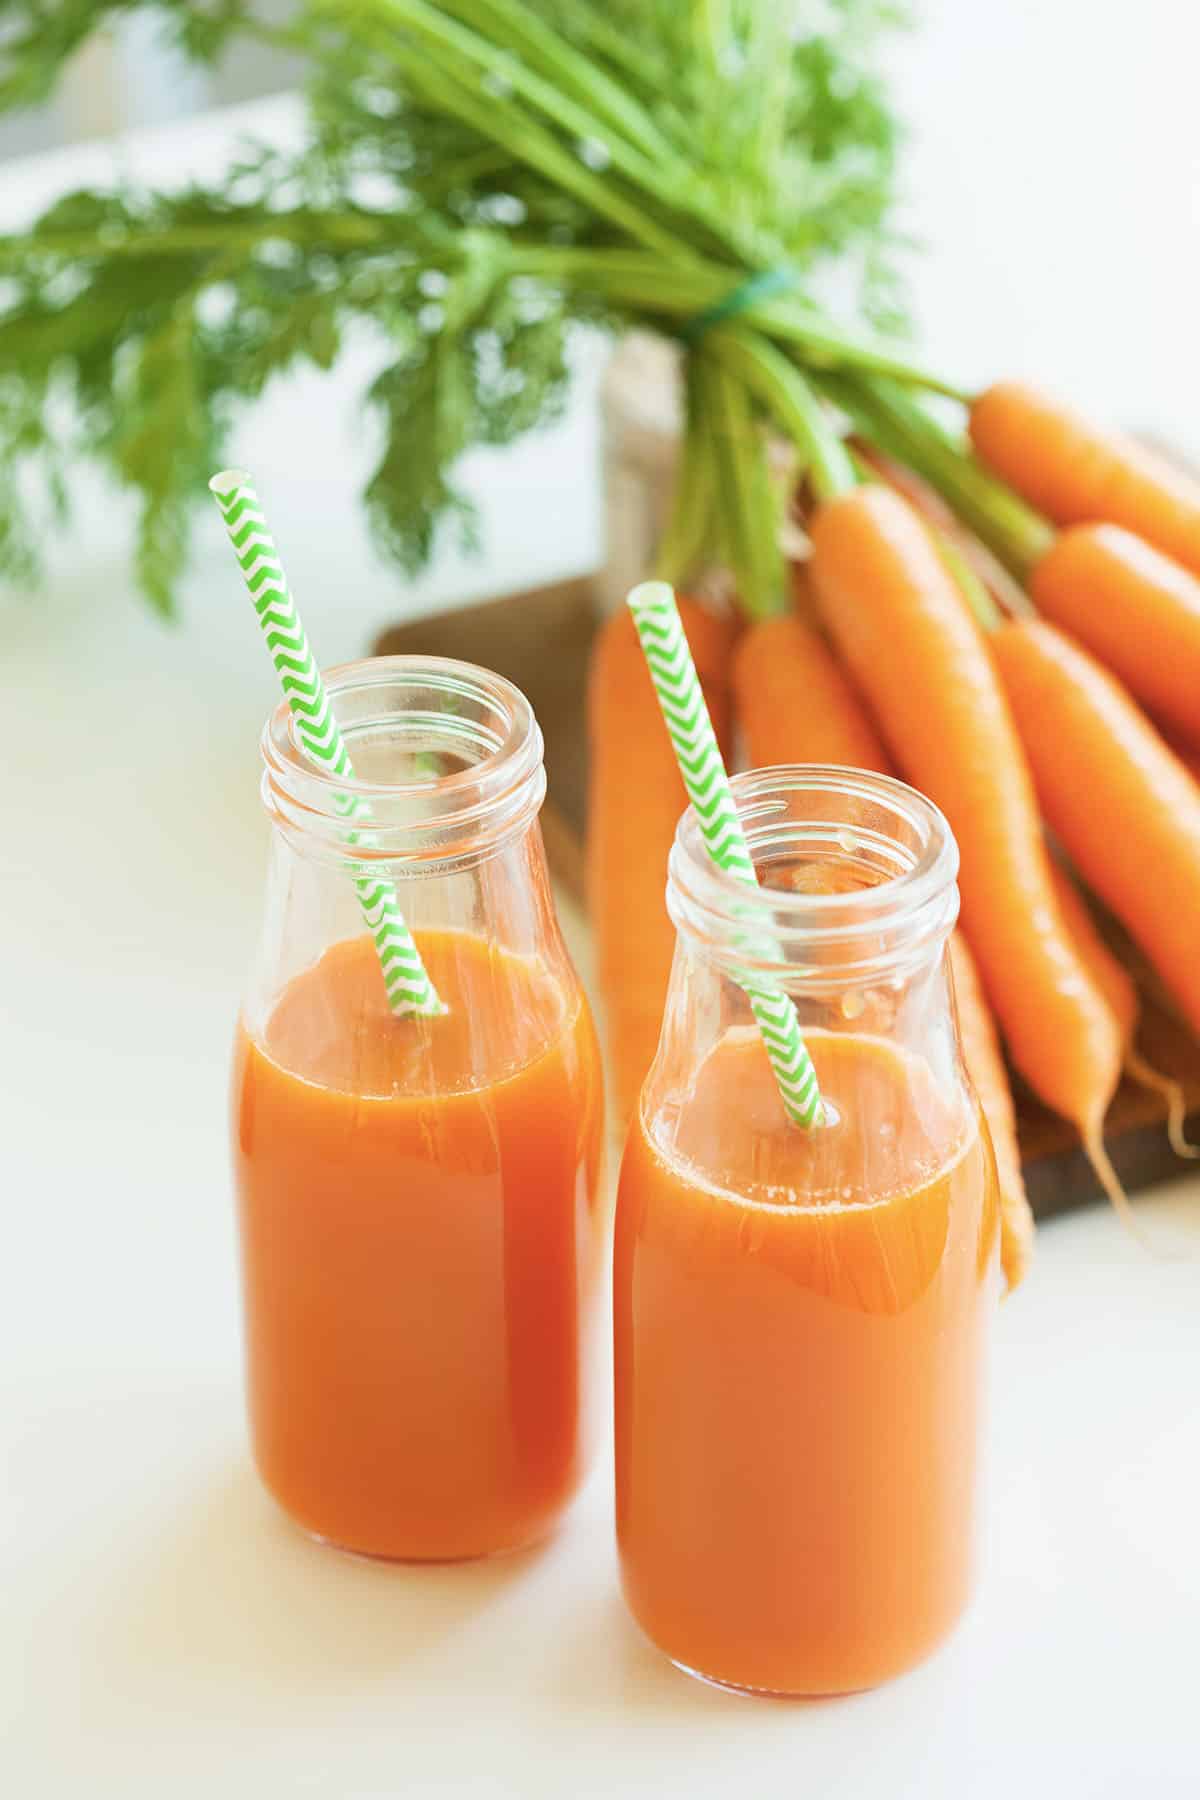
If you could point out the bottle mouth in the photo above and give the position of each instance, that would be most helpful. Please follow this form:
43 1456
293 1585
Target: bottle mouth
446 758
857 879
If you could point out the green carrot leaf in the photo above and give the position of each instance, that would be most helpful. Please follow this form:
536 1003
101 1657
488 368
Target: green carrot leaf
481 179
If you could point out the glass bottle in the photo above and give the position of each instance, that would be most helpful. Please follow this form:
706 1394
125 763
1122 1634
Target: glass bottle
801 1316
419 1198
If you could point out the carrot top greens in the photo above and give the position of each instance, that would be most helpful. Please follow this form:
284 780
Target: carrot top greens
479 177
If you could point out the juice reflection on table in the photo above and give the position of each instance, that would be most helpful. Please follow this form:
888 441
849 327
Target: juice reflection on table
421 1228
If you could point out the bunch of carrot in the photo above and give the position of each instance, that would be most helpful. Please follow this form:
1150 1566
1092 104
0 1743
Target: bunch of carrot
1066 700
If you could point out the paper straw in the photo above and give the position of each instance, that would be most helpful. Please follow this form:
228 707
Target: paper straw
678 688
409 989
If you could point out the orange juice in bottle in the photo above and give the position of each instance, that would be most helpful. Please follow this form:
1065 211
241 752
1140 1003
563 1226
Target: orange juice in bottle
801 1317
419 1198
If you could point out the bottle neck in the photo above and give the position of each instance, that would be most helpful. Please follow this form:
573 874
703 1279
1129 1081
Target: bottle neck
447 762
446 768
857 883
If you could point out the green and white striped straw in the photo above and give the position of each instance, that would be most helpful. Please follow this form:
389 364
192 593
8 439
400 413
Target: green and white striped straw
678 688
409 989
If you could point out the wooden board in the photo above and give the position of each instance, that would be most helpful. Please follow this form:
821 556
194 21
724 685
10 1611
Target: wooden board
540 640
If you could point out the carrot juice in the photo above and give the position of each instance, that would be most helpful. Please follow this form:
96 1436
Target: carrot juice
800 1321
421 1232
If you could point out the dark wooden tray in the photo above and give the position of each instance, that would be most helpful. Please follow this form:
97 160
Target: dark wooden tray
540 640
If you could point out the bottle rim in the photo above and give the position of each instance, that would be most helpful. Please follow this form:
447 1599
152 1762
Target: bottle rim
892 842
435 706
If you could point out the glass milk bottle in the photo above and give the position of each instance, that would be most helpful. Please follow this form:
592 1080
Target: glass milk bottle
419 1198
801 1316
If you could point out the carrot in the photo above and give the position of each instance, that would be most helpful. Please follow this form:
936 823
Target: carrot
1134 609
1120 990
795 704
1121 803
948 529
904 630
1106 969
635 798
1079 474
989 1078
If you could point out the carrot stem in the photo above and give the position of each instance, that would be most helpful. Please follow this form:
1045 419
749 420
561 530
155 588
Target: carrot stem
754 510
974 591
903 429
686 541
785 393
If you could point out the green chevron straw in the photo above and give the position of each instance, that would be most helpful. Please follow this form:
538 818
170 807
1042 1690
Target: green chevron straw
409 989
678 688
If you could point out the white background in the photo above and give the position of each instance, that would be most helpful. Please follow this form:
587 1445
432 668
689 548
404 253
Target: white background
161 1629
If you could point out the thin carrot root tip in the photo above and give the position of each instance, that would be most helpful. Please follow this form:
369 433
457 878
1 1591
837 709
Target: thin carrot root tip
1176 1099
1110 1181
1016 1244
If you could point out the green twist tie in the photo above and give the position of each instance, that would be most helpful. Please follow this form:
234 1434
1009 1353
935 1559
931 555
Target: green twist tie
739 299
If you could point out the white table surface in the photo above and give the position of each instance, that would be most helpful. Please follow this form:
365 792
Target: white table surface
162 1629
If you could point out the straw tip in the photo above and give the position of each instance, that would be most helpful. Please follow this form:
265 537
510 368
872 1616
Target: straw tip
225 480
650 596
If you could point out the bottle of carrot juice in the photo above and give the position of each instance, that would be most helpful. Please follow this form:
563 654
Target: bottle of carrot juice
801 1316
419 1198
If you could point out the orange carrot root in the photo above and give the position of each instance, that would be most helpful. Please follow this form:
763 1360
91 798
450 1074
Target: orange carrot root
797 704
1136 610
1077 473
989 1078
903 629
635 798
1122 805
1110 1181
